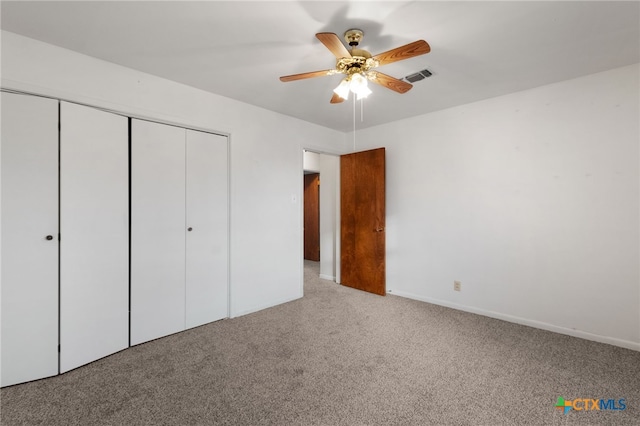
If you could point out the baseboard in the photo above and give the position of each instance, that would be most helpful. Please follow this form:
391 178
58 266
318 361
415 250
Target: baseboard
524 321
327 277
260 308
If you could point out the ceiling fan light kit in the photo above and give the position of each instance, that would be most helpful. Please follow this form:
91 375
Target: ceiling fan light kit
343 89
357 65
355 83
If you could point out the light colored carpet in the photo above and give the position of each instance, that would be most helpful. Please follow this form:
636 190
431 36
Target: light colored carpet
339 356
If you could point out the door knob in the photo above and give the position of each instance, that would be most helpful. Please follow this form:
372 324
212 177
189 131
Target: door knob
379 229
49 237
189 229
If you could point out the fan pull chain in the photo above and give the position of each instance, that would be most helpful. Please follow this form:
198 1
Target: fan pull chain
361 110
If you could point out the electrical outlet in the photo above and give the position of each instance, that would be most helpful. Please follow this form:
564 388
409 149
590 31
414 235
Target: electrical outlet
457 285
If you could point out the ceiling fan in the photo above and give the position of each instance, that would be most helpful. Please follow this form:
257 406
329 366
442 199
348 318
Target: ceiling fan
358 65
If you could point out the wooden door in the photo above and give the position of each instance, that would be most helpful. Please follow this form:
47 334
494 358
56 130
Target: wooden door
206 234
312 217
157 230
362 215
94 228
29 297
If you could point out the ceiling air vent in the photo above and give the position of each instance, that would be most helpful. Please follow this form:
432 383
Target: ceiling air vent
420 75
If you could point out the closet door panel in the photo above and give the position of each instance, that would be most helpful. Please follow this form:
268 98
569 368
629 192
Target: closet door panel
94 228
29 260
157 230
207 242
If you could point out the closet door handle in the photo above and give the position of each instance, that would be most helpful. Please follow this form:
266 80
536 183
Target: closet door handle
49 237
189 229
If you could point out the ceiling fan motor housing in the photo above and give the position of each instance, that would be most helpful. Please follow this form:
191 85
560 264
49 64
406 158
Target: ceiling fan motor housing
360 59
355 64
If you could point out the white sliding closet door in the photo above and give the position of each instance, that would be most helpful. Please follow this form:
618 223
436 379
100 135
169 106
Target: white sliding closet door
29 238
207 245
94 228
157 230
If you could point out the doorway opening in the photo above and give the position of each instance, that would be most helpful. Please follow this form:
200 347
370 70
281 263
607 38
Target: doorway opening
311 224
352 241
321 183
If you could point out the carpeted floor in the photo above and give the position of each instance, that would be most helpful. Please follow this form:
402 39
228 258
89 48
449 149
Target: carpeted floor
341 357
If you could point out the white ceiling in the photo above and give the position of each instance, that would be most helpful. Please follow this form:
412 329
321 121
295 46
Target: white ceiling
239 49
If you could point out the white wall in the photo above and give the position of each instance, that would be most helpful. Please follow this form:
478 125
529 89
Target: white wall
265 160
530 200
311 162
